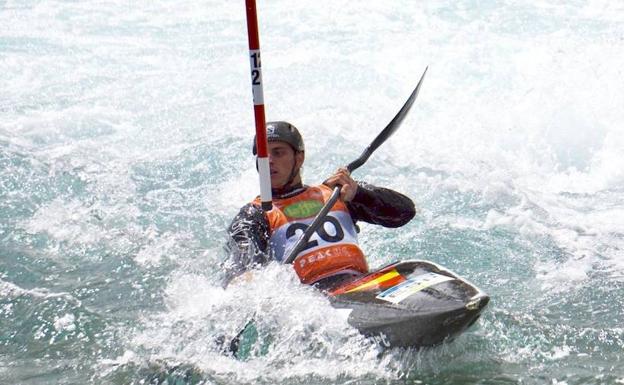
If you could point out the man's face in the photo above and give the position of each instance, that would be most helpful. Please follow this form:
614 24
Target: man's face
282 158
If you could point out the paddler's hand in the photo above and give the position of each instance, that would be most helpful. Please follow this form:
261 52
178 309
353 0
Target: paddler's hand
343 178
243 278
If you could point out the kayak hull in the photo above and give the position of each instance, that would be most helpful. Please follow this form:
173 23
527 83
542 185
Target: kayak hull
410 304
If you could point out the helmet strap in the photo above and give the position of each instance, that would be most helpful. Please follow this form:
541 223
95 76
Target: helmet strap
293 173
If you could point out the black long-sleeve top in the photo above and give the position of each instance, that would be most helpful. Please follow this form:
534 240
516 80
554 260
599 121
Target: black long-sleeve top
249 233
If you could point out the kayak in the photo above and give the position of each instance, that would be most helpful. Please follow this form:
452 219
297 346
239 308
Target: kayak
412 303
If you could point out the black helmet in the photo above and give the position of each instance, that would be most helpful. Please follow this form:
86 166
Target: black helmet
283 132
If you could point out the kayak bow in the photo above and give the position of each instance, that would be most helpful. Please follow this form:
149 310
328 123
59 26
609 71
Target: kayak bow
410 304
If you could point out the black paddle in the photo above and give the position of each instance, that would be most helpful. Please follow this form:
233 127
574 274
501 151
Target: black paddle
379 140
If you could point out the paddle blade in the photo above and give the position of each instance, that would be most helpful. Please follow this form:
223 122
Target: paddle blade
394 124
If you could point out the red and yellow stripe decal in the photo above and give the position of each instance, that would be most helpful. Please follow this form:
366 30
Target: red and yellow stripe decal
375 281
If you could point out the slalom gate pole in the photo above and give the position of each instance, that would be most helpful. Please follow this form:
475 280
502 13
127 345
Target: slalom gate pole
258 100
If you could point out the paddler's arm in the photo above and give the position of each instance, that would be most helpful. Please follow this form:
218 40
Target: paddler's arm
372 204
380 206
248 242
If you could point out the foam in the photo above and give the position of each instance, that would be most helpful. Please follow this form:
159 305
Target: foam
12 291
300 319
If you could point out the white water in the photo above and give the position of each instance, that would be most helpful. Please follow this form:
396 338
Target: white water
125 134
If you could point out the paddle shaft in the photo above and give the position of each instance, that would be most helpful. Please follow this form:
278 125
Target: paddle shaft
378 141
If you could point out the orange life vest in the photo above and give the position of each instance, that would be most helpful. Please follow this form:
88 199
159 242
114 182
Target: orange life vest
331 250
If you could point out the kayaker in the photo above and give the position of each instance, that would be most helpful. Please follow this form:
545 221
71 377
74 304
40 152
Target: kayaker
257 237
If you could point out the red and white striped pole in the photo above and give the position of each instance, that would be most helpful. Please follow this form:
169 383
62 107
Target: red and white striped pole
258 100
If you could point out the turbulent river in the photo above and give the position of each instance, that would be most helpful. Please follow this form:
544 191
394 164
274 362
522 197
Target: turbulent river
125 151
